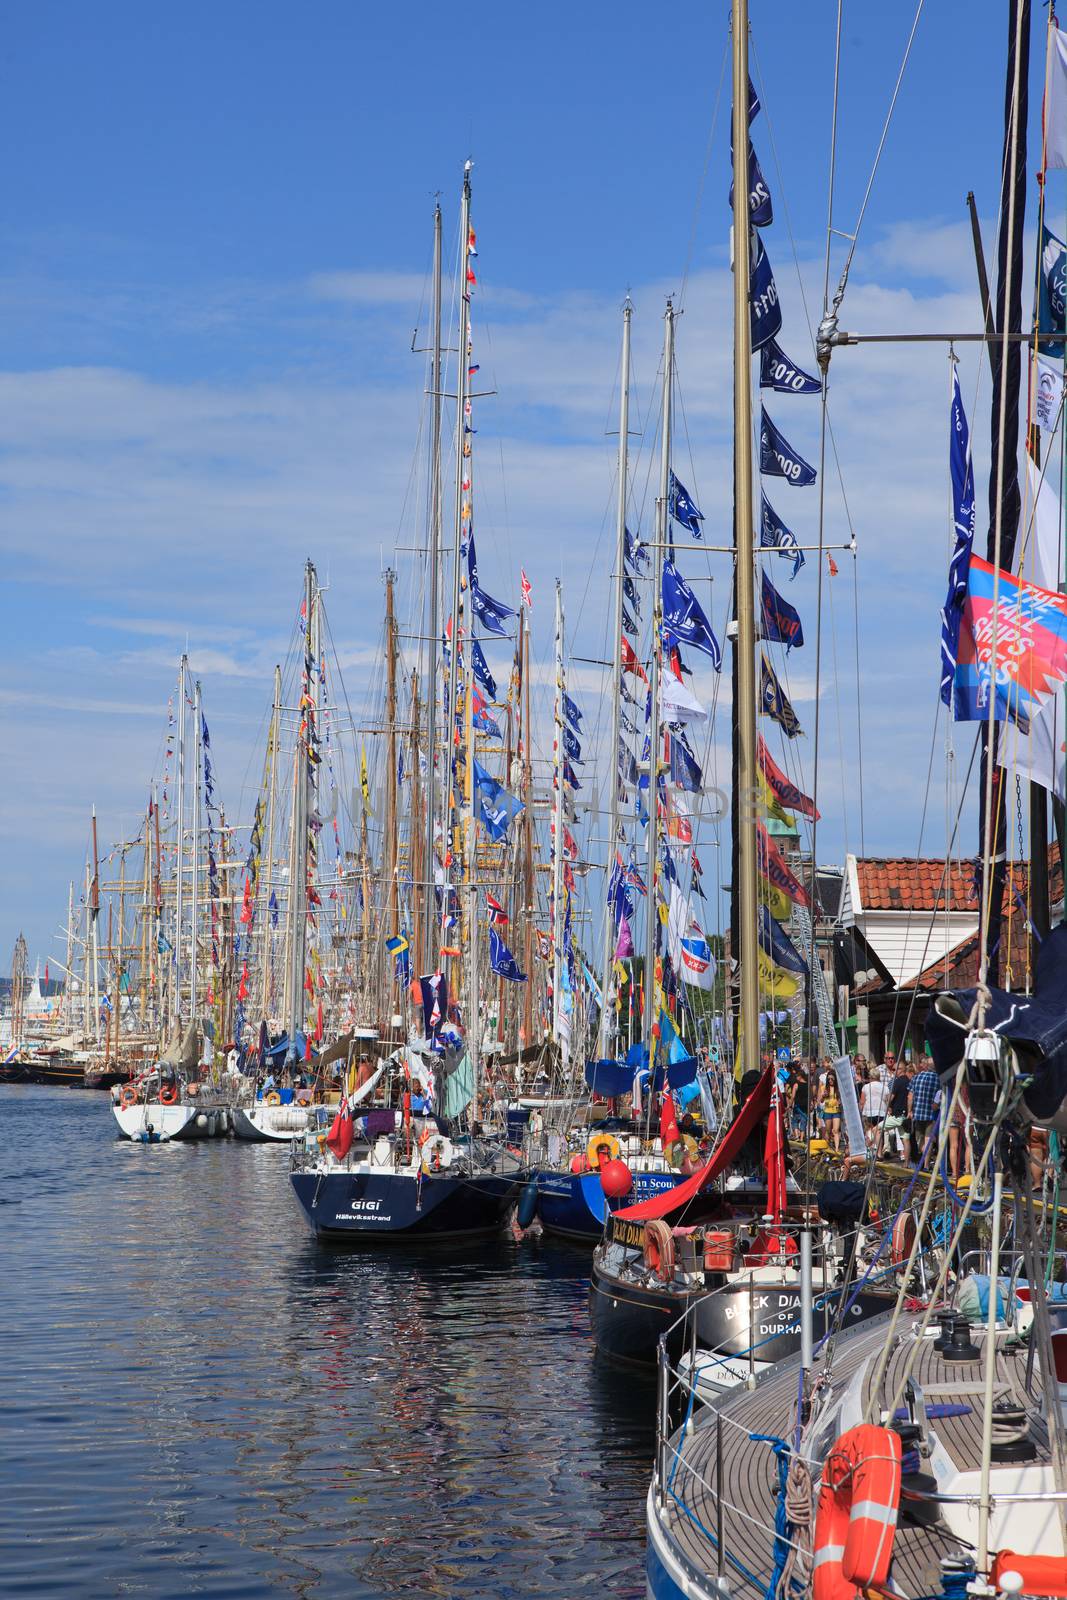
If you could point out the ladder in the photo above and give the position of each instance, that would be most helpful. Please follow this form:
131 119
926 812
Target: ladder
801 922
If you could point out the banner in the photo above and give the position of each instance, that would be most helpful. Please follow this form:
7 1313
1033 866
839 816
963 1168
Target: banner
777 372
1028 650
1048 390
1056 101
774 702
778 459
774 535
684 621
765 312
780 621
760 208
1052 293
963 514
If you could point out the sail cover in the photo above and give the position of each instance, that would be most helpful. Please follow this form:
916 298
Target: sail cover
672 1200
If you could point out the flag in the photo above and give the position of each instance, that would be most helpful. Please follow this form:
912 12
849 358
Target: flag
1048 390
774 702
571 746
777 372
765 313
570 777
480 717
683 508
668 1121
831 565
527 591
272 906
501 959
630 662
628 623
683 617
627 764
781 621
1052 294
776 900
624 944
963 515
778 945
364 782
772 805
1056 101
760 209
684 767
689 950
773 534
496 815
1030 647
778 459
481 670
787 792
398 948
497 914
634 552
772 866
677 703
678 824
571 712
629 589
491 613
776 980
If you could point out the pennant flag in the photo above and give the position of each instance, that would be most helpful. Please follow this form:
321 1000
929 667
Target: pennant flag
501 959
684 766
777 372
773 534
629 589
627 764
1048 390
624 944
364 782
778 945
634 552
492 614
782 985
778 459
772 805
1030 647
481 670
1052 293
773 868
831 565
683 508
765 311
571 746
628 623
1056 101
683 618
497 915
480 717
678 703
753 102
630 662
781 621
689 950
571 712
963 516
787 792
569 775
760 210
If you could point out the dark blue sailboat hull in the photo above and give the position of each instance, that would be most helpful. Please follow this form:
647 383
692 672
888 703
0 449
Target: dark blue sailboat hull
573 1203
364 1206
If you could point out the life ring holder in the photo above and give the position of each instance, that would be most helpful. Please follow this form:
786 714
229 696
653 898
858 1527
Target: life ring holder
856 1522
657 1249
168 1095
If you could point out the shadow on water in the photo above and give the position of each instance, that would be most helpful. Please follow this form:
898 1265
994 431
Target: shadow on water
205 1401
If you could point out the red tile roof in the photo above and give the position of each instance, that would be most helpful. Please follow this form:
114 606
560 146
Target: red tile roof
900 883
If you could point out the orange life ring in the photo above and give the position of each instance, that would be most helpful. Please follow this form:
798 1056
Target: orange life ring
128 1097
658 1249
903 1238
168 1095
857 1517
1040 1574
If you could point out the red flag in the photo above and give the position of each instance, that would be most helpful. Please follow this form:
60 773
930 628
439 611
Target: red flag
46 972
676 663
630 662
668 1122
784 791
307 1057
339 1138
569 843
832 564
497 914
318 1025
527 591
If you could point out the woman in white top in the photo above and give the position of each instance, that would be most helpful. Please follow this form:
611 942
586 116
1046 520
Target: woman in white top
874 1102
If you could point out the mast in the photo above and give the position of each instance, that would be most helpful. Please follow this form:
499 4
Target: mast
198 762
613 747
157 897
557 828
529 904
654 736
87 1025
390 852
183 667
94 917
68 982
461 457
267 878
745 777
297 941
416 865
474 999
429 921
146 900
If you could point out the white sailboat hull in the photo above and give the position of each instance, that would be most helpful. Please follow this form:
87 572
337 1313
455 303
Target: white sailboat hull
180 1121
265 1124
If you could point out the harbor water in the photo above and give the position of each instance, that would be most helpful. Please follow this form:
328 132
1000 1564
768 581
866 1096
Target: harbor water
198 1399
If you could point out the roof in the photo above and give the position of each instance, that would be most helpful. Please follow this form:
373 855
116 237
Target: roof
902 883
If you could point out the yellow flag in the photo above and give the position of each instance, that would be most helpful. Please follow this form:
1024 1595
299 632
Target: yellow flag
621 974
363 782
773 804
776 900
776 980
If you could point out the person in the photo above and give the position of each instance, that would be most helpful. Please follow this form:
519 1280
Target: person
874 1102
830 1110
897 1127
923 1097
959 1145
799 1103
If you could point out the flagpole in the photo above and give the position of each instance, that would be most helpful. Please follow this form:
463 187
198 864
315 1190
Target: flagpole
662 526
429 920
297 921
745 779
557 832
266 939
179 908
613 747
198 762
461 439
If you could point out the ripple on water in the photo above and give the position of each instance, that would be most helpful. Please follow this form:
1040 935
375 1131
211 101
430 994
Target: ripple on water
200 1400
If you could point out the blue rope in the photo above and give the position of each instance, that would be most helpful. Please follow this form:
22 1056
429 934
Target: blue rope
783 1528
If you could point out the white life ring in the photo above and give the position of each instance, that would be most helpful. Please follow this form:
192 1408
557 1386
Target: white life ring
437 1154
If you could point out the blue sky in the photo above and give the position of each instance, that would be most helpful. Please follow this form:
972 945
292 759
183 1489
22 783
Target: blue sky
216 243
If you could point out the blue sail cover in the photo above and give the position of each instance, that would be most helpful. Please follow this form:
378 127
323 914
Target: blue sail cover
1035 1026
608 1078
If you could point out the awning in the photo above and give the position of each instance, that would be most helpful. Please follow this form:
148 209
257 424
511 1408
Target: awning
672 1200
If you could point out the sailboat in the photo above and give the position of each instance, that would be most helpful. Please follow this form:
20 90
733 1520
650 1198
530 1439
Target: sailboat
417 1156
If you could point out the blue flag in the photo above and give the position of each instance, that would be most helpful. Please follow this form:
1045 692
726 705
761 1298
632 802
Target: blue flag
765 311
634 551
629 589
571 745
778 459
760 210
781 621
684 621
569 776
501 959
753 102
480 717
963 511
628 623
777 372
627 763
497 813
684 768
492 614
774 702
773 534
1052 292
571 712
776 943
481 670
683 509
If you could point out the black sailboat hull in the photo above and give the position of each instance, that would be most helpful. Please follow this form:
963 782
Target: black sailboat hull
361 1207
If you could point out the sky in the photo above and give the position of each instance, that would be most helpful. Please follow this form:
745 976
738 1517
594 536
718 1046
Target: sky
217 234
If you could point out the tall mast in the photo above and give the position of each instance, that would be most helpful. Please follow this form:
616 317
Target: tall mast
146 902
416 866
266 878
461 457
298 842
68 981
94 918
436 378
654 739
529 905
157 900
745 777
613 747
557 829
390 853
198 762
179 884
87 1022
474 999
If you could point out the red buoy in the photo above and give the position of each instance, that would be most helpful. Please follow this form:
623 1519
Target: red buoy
616 1179
579 1164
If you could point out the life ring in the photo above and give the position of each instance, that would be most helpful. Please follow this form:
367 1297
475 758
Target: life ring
128 1097
168 1095
658 1250
437 1154
857 1517
1040 1574
903 1238
602 1147
676 1150
273 1099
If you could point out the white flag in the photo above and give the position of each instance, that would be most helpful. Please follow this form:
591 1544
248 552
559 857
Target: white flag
1048 391
690 952
1056 101
677 703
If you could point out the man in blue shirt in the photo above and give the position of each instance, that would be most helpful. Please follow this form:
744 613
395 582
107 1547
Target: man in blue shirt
922 1108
